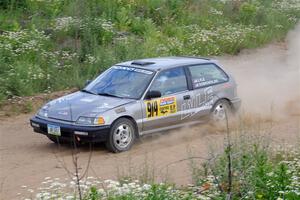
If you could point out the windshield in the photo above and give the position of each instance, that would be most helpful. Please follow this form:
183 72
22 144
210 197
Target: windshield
123 82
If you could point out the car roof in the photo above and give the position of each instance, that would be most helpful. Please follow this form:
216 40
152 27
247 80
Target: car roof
161 63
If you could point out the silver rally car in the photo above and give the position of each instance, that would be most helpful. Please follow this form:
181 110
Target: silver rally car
140 97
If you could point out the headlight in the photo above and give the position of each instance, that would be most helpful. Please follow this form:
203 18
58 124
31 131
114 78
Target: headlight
43 112
90 120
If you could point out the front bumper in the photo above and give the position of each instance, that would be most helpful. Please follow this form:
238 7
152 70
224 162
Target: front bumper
93 133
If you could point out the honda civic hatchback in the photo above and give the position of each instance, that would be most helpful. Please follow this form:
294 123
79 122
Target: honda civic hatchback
140 97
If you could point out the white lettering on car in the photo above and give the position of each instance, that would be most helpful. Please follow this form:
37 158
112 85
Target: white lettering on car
87 100
200 102
143 71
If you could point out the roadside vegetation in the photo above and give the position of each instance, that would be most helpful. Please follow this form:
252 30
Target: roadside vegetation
50 45
251 166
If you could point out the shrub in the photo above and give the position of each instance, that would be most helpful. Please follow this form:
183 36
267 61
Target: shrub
258 172
247 12
94 189
71 41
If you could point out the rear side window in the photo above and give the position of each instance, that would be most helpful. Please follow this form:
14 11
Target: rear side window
170 81
207 74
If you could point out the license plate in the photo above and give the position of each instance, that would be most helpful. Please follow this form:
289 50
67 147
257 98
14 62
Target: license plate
54 130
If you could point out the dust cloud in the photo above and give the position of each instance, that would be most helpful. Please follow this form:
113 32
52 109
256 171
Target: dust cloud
269 78
268 81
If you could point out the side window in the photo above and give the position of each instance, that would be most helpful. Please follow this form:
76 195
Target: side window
170 81
207 74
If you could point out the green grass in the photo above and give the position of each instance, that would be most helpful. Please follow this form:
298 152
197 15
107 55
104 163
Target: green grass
260 167
52 45
259 172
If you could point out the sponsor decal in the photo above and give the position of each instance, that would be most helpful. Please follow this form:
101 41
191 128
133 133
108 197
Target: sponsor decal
133 69
161 107
204 83
199 80
198 103
87 100
65 113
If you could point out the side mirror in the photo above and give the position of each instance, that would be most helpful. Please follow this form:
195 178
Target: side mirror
87 82
153 94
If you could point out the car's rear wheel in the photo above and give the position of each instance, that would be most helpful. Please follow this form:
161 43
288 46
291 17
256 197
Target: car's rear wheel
122 135
221 111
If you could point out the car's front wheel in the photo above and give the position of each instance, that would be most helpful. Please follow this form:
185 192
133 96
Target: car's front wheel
122 135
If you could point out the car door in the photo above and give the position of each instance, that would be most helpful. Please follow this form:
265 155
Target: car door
167 110
207 80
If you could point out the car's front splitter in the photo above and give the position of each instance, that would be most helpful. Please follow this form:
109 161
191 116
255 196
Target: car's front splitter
70 132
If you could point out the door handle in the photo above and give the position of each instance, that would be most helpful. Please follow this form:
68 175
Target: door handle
186 97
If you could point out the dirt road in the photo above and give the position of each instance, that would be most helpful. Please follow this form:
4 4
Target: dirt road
269 84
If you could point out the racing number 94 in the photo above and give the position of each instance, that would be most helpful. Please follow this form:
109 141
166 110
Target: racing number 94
152 109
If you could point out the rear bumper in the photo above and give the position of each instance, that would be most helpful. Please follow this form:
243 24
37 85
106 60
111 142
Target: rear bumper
236 104
83 133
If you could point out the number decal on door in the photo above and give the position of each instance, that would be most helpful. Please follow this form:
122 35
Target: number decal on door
161 107
152 109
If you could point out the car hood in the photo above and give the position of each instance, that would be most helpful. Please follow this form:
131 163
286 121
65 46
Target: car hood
72 106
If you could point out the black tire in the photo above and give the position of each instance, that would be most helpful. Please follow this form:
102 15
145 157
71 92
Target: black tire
122 135
221 111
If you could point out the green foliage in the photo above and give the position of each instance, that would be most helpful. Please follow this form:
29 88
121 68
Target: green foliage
51 45
13 4
93 194
94 189
28 107
247 12
258 172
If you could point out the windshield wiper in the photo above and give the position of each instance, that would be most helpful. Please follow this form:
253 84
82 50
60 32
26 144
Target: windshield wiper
109 95
87 91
